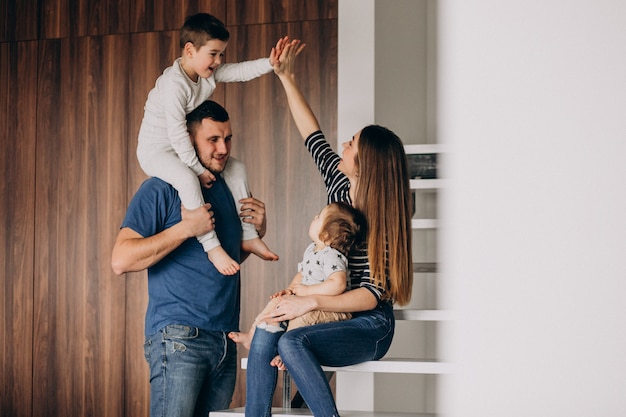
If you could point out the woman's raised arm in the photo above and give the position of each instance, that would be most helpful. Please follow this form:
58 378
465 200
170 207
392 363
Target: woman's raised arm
303 116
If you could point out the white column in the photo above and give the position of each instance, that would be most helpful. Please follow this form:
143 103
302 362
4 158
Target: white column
355 108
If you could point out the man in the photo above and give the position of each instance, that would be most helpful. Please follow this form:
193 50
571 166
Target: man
191 306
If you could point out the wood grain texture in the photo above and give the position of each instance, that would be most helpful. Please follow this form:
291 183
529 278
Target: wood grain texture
151 53
18 98
152 16
71 106
81 153
71 18
19 20
251 12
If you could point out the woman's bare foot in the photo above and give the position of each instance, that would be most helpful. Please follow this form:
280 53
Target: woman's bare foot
222 262
242 338
259 248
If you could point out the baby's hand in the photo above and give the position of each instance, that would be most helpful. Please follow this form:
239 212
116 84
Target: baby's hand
207 178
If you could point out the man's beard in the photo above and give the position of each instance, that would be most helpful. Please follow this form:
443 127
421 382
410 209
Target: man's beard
213 170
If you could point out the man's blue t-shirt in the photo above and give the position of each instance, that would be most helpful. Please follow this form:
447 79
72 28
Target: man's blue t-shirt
184 287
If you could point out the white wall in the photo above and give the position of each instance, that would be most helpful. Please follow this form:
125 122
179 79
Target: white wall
533 105
386 75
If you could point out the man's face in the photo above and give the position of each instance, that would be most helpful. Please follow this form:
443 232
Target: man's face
212 142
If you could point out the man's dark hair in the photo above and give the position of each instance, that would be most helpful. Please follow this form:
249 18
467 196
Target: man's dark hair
207 110
200 28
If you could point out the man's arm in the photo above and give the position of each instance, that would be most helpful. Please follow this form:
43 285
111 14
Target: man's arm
133 252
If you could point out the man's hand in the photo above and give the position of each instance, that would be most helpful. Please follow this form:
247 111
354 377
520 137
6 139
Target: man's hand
133 252
253 212
198 221
207 178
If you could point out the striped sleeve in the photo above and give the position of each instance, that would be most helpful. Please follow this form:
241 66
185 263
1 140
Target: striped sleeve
326 160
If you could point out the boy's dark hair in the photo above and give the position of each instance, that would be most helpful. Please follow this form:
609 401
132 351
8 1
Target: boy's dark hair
200 28
207 110
344 227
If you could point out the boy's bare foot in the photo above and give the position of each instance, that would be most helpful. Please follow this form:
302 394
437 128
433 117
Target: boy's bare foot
259 248
240 337
222 262
278 362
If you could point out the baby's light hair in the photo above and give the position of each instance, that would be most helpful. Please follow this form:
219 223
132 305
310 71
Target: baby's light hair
343 227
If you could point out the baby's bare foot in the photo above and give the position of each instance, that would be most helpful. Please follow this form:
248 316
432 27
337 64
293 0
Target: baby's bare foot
242 338
278 362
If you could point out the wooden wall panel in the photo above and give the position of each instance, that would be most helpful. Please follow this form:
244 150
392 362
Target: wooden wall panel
81 154
19 20
78 327
18 72
280 170
152 16
71 18
250 12
151 53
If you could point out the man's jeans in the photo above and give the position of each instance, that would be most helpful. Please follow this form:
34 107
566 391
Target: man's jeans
192 371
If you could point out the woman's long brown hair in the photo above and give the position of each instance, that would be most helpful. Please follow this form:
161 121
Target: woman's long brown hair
383 195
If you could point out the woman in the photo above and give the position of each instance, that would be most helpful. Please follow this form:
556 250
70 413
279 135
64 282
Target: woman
372 176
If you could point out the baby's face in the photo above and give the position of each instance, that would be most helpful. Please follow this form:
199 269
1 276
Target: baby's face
316 225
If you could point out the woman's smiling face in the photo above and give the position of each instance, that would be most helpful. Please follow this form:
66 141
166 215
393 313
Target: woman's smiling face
347 164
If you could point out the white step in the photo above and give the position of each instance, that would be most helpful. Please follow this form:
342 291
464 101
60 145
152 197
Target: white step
424 148
422 315
395 366
424 267
427 184
424 223
388 366
297 412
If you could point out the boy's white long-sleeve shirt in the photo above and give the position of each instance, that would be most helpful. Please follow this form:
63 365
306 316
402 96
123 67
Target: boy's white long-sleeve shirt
174 95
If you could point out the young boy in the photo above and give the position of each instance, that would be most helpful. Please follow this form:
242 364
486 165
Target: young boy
165 150
323 269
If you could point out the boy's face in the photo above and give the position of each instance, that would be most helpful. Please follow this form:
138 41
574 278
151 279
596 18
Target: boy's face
212 141
205 60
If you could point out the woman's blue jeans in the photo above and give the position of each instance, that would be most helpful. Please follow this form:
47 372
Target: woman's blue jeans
192 371
367 336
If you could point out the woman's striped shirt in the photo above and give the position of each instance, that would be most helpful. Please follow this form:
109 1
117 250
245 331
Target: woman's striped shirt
337 188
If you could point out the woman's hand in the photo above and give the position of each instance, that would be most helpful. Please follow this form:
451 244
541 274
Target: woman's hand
290 50
289 308
286 291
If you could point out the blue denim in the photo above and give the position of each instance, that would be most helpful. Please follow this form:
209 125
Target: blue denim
367 336
192 371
